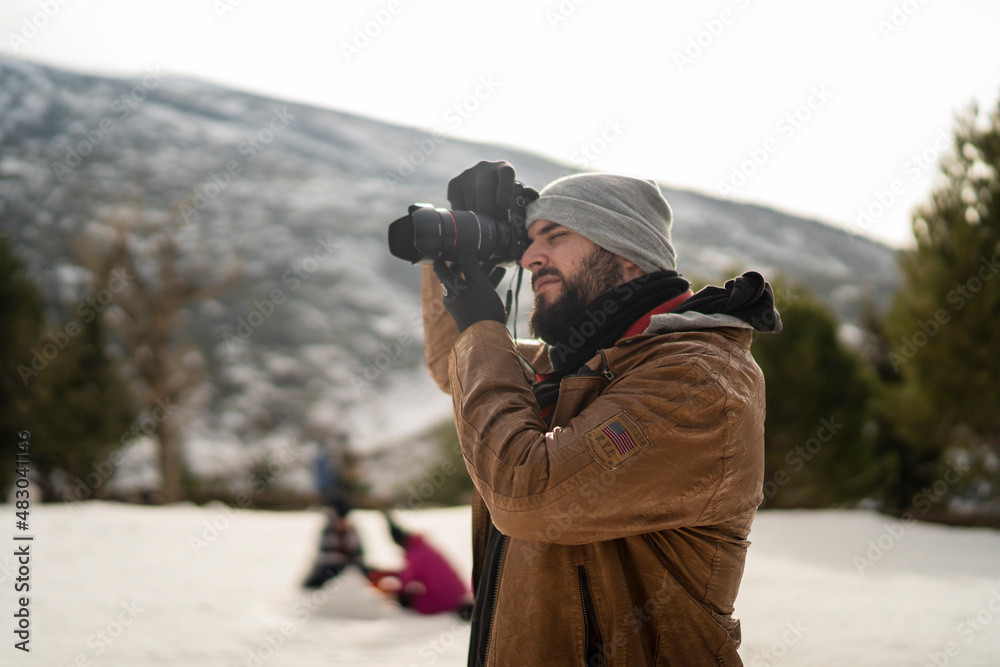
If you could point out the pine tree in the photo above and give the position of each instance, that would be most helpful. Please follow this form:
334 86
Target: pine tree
909 469
89 410
819 450
61 386
22 310
944 327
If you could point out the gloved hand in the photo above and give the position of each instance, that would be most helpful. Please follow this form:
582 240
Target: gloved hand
487 188
473 298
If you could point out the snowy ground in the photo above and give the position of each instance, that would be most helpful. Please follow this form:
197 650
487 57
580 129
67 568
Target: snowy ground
124 586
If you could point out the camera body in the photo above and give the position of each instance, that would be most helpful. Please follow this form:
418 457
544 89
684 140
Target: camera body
427 233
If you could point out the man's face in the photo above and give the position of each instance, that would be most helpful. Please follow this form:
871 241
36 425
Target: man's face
568 271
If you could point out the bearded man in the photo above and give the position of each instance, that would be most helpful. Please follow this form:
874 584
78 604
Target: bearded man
619 457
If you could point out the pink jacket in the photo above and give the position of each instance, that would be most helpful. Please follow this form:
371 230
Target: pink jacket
424 564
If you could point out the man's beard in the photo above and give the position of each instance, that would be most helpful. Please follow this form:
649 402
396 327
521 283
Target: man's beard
601 272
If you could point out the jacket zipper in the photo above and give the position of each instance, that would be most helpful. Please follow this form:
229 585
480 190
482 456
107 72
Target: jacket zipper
605 369
591 649
496 565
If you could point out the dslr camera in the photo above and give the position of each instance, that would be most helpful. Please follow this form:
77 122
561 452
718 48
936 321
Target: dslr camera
427 233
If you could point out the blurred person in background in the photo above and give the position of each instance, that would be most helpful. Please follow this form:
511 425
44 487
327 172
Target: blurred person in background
427 584
339 544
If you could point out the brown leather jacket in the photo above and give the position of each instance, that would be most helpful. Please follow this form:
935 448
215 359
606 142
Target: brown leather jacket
622 527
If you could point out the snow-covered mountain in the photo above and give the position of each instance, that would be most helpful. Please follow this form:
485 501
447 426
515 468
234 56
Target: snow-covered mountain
322 331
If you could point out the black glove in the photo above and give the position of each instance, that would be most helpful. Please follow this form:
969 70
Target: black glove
473 298
488 188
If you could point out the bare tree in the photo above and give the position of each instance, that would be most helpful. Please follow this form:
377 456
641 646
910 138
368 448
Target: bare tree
151 290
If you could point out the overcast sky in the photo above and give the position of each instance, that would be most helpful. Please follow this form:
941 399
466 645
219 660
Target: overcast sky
820 109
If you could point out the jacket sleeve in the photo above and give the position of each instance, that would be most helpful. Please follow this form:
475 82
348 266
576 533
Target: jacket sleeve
440 334
440 331
669 465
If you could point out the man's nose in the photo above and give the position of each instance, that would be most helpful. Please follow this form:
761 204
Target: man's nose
532 259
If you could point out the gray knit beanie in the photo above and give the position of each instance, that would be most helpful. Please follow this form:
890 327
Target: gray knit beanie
624 215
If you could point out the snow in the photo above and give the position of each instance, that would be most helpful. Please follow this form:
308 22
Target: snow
121 585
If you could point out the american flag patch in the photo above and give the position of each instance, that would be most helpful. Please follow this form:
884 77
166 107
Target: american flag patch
616 440
620 437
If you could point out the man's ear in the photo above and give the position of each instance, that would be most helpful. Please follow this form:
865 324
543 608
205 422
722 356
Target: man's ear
630 270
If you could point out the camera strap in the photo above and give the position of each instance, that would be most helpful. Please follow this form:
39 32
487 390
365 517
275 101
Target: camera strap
514 294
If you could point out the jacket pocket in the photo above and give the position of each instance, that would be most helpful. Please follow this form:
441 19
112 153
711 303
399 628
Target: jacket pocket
593 645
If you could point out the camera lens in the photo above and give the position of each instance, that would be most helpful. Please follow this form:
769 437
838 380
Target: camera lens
429 233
